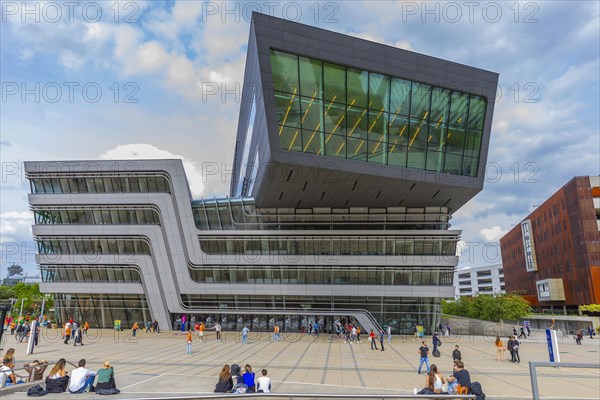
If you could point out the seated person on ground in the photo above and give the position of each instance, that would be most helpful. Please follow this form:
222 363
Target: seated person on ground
36 370
225 383
249 379
264 383
7 376
82 379
460 381
106 377
58 380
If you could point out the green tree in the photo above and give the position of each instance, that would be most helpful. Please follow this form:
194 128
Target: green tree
488 307
6 293
31 296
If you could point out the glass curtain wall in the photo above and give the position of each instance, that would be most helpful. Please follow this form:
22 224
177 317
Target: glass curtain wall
336 111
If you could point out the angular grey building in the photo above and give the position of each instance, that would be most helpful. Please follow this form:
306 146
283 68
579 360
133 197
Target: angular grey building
351 157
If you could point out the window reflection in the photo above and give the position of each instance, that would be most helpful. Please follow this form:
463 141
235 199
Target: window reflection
336 111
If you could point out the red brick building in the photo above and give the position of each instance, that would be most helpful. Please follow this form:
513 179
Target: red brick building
553 256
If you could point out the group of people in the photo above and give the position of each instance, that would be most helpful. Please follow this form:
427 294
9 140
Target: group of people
524 331
75 331
512 345
58 379
245 383
435 383
81 379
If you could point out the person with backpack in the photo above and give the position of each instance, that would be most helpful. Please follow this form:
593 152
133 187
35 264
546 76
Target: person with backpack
436 342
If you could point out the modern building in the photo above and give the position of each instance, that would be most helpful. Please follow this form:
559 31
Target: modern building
351 157
553 256
487 279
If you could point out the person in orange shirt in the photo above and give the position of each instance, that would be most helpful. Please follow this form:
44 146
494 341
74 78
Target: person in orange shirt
499 349
201 329
86 326
67 333
134 329
276 335
189 341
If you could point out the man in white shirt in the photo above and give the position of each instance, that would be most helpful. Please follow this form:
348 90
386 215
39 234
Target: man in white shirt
263 384
82 379
218 330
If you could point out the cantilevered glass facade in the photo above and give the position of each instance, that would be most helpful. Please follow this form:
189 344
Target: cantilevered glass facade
337 111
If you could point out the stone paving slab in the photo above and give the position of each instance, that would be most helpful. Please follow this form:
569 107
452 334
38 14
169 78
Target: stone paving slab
155 365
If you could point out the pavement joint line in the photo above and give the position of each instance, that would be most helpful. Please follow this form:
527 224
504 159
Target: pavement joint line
525 365
326 367
360 378
138 383
297 363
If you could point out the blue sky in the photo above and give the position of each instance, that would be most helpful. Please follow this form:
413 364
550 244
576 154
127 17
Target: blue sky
111 79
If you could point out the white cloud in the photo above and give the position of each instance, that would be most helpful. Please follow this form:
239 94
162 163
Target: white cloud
15 225
148 151
492 234
26 54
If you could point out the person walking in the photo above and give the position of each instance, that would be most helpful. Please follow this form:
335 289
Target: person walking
381 338
86 326
134 330
590 331
522 333
148 326
389 333
245 331
447 329
578 337
499 349
416 333
67 333
189 341
373 340
424 353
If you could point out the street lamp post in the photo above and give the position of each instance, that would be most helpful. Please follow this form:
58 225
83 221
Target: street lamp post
21 312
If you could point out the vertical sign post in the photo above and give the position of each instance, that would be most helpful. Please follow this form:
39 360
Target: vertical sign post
32 334
552 341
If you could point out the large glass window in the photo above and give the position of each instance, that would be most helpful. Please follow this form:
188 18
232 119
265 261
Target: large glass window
336 111
100 185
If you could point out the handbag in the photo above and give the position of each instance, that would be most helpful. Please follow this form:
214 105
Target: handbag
445 387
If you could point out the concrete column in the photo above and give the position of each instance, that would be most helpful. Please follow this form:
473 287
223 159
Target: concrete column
102 311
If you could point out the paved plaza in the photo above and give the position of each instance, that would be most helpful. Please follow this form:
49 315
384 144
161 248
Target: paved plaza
155 365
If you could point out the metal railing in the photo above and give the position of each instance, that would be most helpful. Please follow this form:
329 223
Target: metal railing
533 372
293 396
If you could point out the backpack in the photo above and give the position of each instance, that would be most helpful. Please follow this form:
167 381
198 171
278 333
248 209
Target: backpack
476 390
36 391
240 388
436 353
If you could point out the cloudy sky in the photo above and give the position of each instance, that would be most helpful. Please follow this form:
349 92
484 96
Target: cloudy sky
105 80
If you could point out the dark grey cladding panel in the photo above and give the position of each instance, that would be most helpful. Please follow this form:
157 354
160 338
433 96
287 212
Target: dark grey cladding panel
289 185
393 182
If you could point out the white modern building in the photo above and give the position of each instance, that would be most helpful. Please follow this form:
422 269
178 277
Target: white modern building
350 159
488 279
